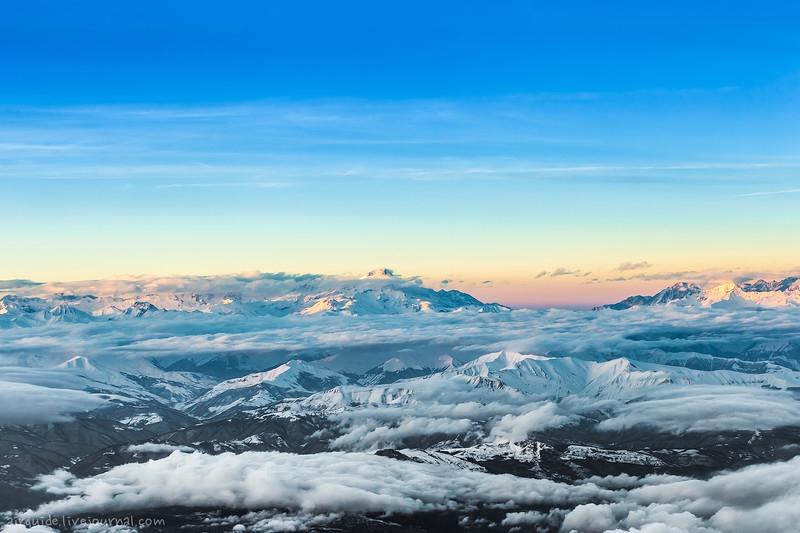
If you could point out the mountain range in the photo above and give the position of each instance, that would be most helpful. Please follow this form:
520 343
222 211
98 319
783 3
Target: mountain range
759 293
378 292
224 374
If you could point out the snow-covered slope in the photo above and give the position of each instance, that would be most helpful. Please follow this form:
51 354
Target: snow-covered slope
760 293
136 380
324 388
680 292
293 379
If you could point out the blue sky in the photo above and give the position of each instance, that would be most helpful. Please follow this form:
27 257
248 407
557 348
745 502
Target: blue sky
462 141
178 52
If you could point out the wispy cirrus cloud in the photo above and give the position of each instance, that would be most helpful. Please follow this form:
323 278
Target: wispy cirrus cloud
244 184
769 193
278 132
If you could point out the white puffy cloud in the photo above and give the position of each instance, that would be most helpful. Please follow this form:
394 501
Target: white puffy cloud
541 522
761 498
445 405
516 428
322 486
22 528
318 483
528 517
589 518
156 447
103 528
372 433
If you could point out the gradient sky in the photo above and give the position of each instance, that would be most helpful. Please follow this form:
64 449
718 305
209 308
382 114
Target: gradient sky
532 153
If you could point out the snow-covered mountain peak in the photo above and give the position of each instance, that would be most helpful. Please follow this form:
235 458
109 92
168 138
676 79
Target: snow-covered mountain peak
682 293
292 379
393 365
78 362
721 292
678 291
683 286
520 371
503 360
272 375
380 273
788 284
281 375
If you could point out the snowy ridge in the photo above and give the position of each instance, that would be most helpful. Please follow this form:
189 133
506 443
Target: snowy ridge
293 379
612 456
314 388
322 387
515 375
760 293
134 381
526 452
558 377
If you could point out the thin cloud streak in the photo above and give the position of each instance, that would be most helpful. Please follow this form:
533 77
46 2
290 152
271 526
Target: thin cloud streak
255 185
767 193
249 127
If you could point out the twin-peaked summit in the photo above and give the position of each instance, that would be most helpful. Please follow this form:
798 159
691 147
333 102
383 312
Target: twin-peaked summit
380 273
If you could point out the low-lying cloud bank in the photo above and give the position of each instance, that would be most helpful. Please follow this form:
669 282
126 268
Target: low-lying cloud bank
654 333
26 403
442 405
757 498
319 483
448 408
760 498
708 408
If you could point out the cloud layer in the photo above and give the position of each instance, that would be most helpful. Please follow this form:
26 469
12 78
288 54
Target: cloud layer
756 498
708 408
25 403
318 483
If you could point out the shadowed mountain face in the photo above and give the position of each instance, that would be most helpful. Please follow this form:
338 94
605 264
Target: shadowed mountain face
788 284
393 418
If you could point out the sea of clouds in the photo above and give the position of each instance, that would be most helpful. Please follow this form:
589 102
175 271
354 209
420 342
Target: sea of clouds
294 491
650 336
304 489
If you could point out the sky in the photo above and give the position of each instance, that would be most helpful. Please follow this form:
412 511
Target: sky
532 153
